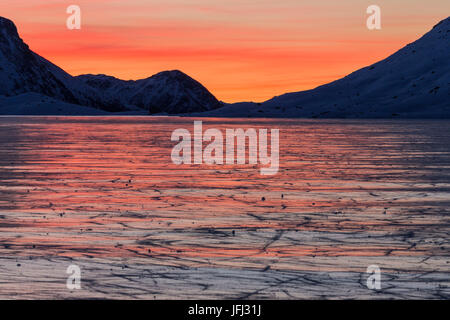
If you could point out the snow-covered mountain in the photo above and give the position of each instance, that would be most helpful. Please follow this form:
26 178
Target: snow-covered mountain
169 92
22 71
413 82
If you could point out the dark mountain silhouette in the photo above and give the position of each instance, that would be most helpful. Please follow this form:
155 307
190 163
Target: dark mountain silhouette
169 91
23 72
413 82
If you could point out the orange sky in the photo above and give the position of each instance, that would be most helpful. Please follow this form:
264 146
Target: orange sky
241 50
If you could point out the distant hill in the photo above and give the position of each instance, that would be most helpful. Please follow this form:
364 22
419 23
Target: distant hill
22 71
413 82
169 91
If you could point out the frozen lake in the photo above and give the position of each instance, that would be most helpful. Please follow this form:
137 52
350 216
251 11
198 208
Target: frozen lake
102 193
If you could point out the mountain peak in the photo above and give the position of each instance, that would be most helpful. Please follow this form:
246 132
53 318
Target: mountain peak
412 82
167 92
443 23
172 74
23 71
8 28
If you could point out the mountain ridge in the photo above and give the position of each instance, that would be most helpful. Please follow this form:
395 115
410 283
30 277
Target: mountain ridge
23 71
412 82
141 93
